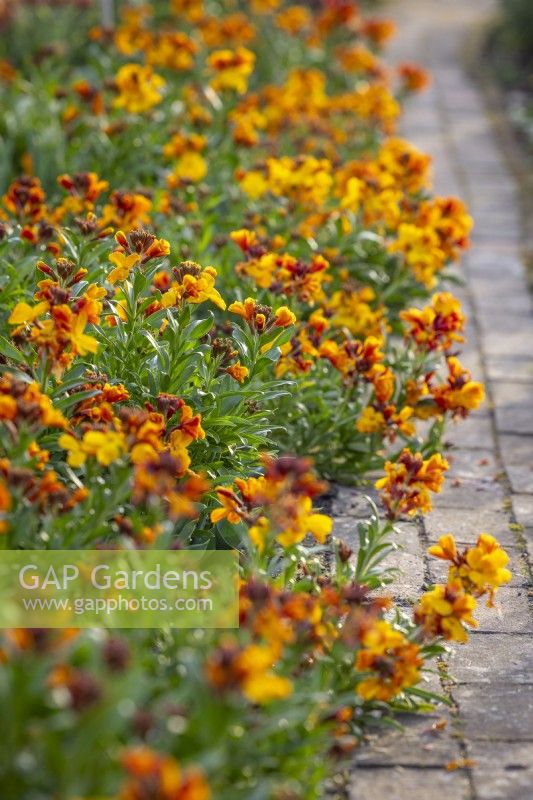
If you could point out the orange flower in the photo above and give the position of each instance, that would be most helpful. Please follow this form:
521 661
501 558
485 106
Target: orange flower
408 482
245 239
232 69
262 318
445 610
413 77
5 505
248 669
237 371
437 326
284 317
232 508
393 663
152 774
460 394
445 549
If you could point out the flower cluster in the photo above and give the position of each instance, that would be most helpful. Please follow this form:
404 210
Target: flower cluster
478 570
277 504
225 281
408 482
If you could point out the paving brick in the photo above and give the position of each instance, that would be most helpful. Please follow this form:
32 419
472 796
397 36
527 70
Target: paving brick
407 560
481 465
353 502
486 495
505 324
467 524
499 343
409 579
475 432
517 457
483 266
500 711
521 477
503 771
513 612
513 407
399 783
523 508
528 536
510 368
422 741
493 657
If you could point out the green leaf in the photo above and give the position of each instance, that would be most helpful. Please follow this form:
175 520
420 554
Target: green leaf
10 351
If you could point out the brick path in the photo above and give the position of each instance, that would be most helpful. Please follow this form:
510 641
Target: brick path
490 484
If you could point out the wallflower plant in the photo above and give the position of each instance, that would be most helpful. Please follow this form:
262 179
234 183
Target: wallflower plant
225 280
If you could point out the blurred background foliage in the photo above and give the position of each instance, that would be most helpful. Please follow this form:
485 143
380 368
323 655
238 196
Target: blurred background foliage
517 31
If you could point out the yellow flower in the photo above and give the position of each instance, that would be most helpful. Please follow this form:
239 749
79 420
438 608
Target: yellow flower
192 10
190 166
105 446
353 310
445 610
422 252
254 184
320 526
438 325
351 200
370 421
5 505
244 238
260 684
392 661
459 394
480 569
258 533
266 687
232 69
246 310
24 313
264 6
76 455
8 407
293 19
124 265
408 482
230 509
468 397
284 317
139 88
194 285
303 522
40 456
445 549
486 564
82 343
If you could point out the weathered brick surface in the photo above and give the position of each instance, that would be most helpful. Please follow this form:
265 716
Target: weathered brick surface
422 742
494 658
499 713
490 483
399 783
511 779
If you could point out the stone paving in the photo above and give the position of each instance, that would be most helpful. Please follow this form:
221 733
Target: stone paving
490 484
